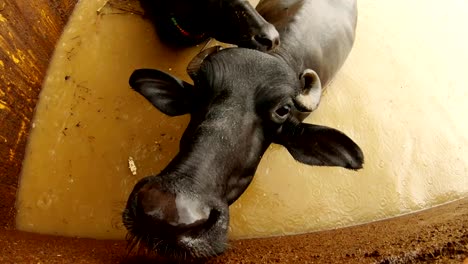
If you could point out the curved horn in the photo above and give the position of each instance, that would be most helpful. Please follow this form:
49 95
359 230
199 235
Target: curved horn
196 62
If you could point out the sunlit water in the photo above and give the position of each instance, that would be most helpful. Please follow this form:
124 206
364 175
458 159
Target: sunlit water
402 95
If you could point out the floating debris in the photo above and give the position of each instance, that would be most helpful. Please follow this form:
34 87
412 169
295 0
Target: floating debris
132 166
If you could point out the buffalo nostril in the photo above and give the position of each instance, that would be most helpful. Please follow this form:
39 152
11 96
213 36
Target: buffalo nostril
276 42
205 223
264 41
268 37
213 218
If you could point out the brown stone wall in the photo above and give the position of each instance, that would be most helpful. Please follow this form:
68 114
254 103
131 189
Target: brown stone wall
28 33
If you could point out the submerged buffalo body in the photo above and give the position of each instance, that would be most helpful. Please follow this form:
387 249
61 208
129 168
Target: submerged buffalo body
188 22
242 100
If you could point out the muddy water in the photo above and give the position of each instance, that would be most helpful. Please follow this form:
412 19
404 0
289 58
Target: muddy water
401 95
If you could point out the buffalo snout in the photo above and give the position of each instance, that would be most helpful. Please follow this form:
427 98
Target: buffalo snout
174 220
267 39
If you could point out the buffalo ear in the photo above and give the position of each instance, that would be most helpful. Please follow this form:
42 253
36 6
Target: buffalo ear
169 94
311 92
322 146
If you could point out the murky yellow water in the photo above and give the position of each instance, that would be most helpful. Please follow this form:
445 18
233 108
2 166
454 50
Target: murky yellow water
401 95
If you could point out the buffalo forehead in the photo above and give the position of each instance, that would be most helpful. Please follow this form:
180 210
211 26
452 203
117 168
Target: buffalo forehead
253 76
248 63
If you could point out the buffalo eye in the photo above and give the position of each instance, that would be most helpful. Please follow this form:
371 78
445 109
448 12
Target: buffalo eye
281 113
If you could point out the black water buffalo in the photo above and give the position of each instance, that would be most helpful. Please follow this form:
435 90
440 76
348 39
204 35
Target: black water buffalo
242 100
189 22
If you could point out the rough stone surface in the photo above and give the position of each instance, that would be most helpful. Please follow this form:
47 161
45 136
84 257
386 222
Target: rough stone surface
28 33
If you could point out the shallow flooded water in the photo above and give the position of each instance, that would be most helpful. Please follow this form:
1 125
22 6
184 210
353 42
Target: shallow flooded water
401 96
